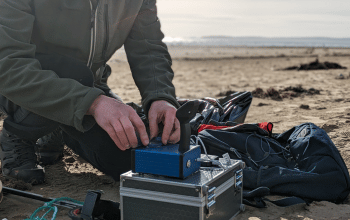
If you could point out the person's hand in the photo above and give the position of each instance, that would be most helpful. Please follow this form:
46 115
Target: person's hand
120 122
163 111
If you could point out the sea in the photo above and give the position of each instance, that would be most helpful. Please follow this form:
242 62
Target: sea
224 41
260 41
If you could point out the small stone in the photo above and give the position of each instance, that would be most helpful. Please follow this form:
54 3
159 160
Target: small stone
304 106
262 104
341 76
70 160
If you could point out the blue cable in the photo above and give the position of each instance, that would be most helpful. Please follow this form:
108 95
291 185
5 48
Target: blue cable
51 208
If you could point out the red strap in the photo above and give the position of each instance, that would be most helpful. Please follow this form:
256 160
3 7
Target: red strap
212 127
267 126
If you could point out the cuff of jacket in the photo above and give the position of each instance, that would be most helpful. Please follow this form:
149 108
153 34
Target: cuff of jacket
81 121
146 103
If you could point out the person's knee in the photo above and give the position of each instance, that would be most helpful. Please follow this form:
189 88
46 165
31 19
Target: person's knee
66 67
115 167
98 149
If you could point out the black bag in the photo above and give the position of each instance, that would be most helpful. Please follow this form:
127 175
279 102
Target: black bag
301 162
233 108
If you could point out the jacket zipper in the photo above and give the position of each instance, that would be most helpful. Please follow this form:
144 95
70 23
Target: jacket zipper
93 33
104 52
91 36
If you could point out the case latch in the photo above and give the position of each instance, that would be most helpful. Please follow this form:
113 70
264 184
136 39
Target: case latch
239 179
211 200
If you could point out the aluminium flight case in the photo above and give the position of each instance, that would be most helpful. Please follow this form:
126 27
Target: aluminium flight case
211 193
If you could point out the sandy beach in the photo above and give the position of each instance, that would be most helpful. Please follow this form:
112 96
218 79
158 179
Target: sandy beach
208 72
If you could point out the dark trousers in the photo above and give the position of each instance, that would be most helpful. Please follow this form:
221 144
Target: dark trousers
95 145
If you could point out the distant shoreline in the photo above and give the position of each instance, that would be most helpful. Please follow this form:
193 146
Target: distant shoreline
288 42
263 47
249 57
202 53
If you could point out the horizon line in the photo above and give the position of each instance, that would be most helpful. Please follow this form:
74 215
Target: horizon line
227 36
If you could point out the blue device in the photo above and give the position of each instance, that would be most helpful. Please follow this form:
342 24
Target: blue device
172 160
166 160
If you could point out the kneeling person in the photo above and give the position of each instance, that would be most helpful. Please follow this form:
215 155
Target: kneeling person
53 77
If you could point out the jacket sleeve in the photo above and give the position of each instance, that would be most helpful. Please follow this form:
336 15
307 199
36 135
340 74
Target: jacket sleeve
149 58
24 82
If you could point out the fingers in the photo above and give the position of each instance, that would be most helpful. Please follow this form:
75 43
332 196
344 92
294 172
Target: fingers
119 121
140 128
168 122
120 133
129 131
111 132
175 135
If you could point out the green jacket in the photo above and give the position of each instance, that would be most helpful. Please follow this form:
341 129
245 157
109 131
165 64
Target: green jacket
76 29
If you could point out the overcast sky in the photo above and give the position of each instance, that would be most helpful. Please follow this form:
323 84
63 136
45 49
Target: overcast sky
267 18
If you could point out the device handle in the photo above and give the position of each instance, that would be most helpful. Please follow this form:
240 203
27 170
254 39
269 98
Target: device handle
184 114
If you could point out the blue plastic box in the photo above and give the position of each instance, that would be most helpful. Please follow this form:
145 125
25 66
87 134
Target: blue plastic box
165 160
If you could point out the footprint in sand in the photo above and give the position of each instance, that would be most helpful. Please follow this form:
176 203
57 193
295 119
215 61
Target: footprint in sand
329 127
315 120
346 134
